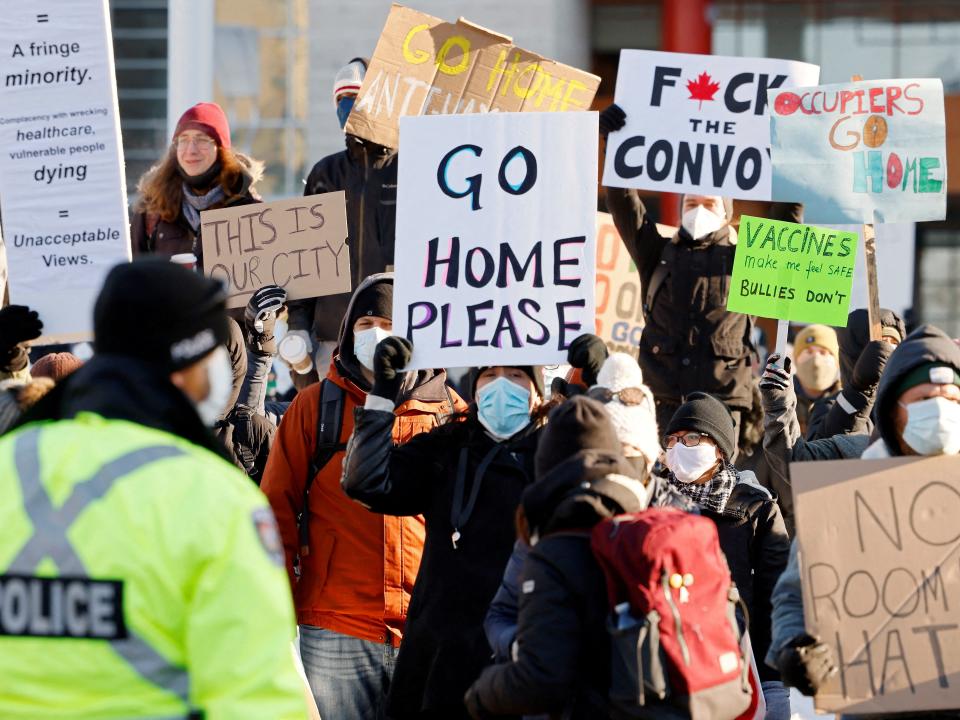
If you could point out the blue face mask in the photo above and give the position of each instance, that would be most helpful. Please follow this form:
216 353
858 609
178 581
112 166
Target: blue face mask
343 109
503 408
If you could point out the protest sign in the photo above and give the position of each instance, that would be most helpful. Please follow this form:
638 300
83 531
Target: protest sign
863 152
880 570
62 185
425 66
496 226
299 244
697 123
619 297
792 272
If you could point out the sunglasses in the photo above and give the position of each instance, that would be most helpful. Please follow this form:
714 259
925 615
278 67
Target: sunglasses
627 396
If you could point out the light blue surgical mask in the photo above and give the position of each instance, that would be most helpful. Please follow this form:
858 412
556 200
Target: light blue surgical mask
933 426
503 408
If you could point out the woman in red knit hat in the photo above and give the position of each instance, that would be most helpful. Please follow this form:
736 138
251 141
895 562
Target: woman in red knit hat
199 172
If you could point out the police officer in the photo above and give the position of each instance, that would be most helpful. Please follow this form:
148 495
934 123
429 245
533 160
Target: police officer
141 575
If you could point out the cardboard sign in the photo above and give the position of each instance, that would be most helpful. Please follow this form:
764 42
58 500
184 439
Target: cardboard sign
861 152
697 123
62 188
299 244
880 570
425 66
496 228
792 272
619 297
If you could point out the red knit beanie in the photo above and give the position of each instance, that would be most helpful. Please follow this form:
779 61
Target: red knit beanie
55 366
208 118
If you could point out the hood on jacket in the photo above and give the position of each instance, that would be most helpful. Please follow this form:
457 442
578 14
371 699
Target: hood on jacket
423 385
855 336
924 345
125 388
581 491
253 171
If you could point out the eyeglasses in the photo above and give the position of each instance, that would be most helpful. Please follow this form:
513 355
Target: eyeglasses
626 396
200 142
691 439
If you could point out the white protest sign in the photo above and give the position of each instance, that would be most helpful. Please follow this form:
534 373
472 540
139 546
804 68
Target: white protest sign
61 166
697 123
863 152
496 237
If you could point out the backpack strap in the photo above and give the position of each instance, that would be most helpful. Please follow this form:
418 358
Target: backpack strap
660 274
329 427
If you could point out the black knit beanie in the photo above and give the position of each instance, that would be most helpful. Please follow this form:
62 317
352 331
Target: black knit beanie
160 312
706 414
377 299
534 372
578 424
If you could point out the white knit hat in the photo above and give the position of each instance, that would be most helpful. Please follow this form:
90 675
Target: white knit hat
636 425
349 79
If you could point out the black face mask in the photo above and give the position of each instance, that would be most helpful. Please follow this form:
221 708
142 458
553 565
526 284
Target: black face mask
204 179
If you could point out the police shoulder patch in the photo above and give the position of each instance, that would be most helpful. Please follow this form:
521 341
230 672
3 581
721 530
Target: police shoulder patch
266 526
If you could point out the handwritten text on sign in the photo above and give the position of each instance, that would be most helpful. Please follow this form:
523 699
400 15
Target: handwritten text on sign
861 152
697 123
619 296
496 227
880 570
425 66
792 272
298 244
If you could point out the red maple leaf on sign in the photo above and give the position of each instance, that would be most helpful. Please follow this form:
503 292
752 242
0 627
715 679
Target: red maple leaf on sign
702 88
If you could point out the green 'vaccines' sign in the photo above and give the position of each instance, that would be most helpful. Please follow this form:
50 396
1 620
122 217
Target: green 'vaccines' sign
793 272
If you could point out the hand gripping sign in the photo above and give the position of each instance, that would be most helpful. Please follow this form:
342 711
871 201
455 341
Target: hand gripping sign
697 123
496 228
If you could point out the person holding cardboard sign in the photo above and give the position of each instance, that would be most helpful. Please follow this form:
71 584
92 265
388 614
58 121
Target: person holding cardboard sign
201 171
367 173
917 412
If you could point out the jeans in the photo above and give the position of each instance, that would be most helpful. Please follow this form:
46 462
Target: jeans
349 677
777 697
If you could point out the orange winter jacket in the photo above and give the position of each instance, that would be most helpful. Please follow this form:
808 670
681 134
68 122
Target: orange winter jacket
359 573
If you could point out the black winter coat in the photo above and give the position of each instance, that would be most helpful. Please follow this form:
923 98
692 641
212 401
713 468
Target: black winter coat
368 175
444 647
755 542
690 342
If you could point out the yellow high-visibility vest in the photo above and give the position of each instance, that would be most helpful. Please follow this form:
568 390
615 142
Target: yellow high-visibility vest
140 576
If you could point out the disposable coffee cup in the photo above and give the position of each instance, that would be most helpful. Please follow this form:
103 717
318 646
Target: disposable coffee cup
187 260
293 349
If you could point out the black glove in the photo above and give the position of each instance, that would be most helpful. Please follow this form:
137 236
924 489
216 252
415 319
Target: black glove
587 353
775 377
472 702
869 367
260 318
560 387
18 323
612 119
806 663
391 356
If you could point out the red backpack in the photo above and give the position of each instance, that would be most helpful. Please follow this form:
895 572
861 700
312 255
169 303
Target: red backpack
675 642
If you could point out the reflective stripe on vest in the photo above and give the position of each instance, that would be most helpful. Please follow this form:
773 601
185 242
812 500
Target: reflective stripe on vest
49 539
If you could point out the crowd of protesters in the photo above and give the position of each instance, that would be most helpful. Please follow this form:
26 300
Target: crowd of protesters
415 548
